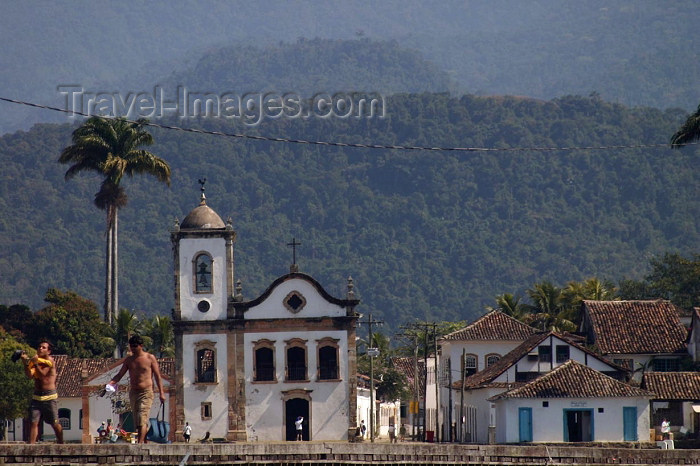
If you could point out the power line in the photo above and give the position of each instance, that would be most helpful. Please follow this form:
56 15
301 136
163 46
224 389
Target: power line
349 144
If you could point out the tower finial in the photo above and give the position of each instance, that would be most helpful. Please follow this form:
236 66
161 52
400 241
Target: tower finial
294 267
202 198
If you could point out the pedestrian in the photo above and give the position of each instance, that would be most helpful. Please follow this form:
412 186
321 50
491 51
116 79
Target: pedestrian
42 369
143 368
665 429
187 432
298 424
402 432
363 428
392 433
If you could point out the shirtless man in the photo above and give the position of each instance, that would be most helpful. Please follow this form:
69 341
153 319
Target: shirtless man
42 369
143 368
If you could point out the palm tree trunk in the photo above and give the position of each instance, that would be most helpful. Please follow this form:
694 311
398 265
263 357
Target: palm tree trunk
115 266
108 277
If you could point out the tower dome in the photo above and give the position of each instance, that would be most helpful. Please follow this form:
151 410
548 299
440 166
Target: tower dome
202 217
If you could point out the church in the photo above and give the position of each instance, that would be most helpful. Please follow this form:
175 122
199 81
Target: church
247 369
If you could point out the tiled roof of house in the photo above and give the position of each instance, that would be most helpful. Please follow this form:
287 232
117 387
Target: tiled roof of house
493 326
574 380
406 365
486 376
69 372
673 385
636 327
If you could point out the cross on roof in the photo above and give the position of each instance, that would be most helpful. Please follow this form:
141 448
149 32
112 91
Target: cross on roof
294 245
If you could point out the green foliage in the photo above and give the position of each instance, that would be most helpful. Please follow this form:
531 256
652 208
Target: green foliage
125 325
15 386
673 277
159 330
429 236
73 325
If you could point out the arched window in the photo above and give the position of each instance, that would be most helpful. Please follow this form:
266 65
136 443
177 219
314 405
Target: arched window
64 418
264 361
471 364
296 360
205 360
328 359
492 359
203 273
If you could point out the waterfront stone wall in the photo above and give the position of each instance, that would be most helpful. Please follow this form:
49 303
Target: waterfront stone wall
330 453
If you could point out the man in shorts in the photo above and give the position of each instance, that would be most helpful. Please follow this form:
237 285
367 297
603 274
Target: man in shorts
42 369
143 368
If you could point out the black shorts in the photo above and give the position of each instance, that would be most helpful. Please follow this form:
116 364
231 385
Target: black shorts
46 410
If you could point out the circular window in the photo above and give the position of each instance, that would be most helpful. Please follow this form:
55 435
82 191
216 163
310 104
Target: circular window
203 305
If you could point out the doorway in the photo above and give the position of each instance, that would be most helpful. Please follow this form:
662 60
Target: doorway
578 425
294 408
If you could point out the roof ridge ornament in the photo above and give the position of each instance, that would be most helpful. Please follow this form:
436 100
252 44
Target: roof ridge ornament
202 197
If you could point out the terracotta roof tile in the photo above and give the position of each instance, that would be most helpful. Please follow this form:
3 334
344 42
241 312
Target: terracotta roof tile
493 326
406 365
69 372
574 380
673 385
486 376
635 327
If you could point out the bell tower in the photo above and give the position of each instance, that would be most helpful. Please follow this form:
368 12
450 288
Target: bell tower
203 264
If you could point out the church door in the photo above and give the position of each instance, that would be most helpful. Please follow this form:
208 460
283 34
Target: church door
294 408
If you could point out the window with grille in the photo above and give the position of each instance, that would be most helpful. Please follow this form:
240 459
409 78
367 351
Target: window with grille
206 366
470 364
328 363
562 353
264 364
492 359
64 418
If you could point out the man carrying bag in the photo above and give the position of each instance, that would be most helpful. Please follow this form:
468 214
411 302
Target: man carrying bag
160 428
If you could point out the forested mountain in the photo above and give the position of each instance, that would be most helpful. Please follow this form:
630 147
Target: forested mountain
424 234
635 52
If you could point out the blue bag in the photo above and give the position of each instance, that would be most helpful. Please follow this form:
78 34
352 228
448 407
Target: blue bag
160 428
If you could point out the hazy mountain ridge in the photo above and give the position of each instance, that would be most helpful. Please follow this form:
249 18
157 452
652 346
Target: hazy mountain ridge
639 52
432 235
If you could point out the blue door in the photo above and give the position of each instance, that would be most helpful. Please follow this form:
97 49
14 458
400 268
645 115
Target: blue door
629 420
525 424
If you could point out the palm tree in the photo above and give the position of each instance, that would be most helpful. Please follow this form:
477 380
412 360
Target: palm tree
546 310
575 292
689 132
509 304
160 331
125 325
111 147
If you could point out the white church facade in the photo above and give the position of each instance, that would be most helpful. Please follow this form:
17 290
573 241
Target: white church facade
246 369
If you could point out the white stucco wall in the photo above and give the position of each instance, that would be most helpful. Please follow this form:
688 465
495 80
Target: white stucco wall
75 433
194 394
329 405
548 422
189 248
273 308
453 350
101 407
